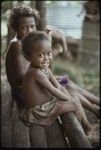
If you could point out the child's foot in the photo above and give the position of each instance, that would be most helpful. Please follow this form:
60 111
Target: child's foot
94 133
96 110
91 128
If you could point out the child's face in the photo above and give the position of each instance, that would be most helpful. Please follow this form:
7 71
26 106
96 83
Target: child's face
26 25
42 54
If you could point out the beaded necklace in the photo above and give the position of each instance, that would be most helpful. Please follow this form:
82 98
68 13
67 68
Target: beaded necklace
44 71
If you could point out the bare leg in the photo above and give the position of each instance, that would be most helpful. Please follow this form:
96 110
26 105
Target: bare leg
80 114
84 121
76 107
89 96
84 101
88 105
71 106
92 98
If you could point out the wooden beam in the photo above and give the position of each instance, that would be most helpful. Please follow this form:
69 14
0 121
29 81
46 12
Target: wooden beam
75 132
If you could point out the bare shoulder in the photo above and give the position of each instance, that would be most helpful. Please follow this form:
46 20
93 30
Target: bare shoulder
15 43
14 46
35 74
53 28
54 32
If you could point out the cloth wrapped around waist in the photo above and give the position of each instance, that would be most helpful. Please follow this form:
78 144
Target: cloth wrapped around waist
44 114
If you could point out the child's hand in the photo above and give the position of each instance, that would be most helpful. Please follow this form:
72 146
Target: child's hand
67 55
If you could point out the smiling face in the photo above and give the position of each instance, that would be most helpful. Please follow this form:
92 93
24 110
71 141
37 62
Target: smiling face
42 54
26 25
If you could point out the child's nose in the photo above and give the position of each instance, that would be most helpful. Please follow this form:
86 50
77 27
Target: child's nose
46 57
29 30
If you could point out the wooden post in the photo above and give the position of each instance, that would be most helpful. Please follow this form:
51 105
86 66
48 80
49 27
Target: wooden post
41 7
90 45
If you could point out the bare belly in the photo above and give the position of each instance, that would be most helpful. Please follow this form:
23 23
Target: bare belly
38 99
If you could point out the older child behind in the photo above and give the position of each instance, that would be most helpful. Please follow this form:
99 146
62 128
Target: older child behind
45 99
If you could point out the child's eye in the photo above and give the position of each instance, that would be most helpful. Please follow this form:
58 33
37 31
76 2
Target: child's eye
24 28
40 55
49 54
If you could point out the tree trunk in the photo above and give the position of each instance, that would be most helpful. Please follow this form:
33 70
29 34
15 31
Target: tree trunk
32 4
10 34
74 131
41 7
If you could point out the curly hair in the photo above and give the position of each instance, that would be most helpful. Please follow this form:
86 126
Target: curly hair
30 38
21 11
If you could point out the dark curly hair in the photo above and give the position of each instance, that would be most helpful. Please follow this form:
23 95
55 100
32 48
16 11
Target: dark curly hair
22 11
30 38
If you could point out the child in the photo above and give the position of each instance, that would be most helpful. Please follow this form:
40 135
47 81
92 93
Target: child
44 98
23 20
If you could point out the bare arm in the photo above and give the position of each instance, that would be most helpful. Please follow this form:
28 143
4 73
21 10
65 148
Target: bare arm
54 90
16 65
57 84
56 34
59 37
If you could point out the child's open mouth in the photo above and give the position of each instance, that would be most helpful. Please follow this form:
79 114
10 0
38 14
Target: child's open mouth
45 64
